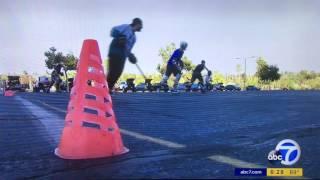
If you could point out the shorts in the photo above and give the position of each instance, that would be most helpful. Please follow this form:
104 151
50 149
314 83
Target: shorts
171 69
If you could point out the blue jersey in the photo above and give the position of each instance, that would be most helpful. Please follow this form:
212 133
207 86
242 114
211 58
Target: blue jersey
175 57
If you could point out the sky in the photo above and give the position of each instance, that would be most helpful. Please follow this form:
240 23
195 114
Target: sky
285 33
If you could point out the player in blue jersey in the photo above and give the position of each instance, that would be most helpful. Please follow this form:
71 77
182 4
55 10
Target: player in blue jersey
175 66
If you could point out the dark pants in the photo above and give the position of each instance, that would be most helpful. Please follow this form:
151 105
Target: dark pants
55 81
197 75
171 69
115 68
117 59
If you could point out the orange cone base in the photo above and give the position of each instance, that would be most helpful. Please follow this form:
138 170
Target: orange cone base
57 153
87 143
9 93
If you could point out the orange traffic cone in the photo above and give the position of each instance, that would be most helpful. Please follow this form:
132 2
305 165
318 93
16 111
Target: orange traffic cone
9 93
90 128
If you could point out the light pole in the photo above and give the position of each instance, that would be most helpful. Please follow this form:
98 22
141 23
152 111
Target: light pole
245 68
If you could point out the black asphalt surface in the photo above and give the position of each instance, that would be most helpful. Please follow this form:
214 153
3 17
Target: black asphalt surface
240 125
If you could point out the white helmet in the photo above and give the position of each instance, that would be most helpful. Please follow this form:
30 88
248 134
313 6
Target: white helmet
183 45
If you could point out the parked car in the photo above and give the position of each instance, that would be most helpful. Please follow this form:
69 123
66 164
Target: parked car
141 87
13 83
181 87
252 88
122 85
149 86
130 85
43 83
208 86
218 87
158 87
232 87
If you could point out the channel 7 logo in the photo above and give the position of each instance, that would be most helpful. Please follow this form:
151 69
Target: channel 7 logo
287 152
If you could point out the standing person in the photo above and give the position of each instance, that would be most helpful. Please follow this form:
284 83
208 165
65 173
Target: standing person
175 66
208 81
55 77
123 41
197 73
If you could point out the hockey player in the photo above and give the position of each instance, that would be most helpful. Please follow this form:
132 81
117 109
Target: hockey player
175 66
123 41
197 74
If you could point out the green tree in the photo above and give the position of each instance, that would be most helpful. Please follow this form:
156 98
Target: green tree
156 77
267 73
53 58
70 62
261 65
165 54
218 77
273 73
188 65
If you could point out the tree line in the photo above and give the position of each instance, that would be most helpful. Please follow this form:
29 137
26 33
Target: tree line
266 76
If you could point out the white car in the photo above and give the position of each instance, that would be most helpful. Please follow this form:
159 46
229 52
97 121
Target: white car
122 85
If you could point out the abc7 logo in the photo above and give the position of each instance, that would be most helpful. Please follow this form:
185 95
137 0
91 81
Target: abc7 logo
287 152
